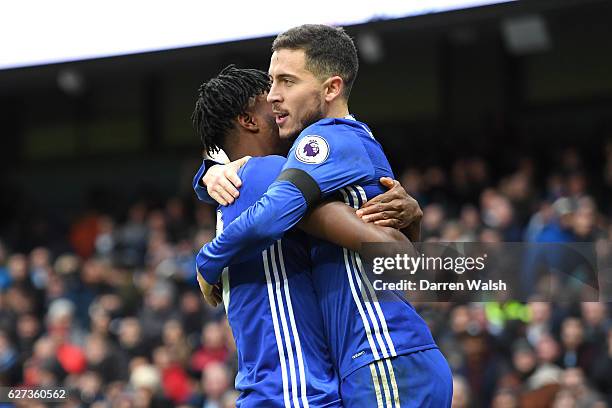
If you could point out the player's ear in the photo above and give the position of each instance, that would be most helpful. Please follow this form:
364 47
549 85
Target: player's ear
333 88
248 121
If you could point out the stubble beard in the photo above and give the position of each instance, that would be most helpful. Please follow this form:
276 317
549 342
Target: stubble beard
311 117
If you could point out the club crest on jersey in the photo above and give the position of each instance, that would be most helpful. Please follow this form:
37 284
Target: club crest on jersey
312 150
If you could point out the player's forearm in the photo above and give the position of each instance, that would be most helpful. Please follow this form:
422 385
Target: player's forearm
337 223
257 227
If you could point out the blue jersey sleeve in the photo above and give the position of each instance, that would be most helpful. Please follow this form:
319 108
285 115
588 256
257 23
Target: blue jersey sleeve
198 187
333 155
257 227
257 175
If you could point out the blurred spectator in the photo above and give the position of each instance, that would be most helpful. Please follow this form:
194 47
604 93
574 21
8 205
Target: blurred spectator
215 383
159 309
212 349
5 277
575 351
100 321
560 229
433 219
175 341
105 237
145 379
548 349
505 398
481 367
602 368
412 181
89 387
18 271
176 224
103 360
538 222
83 235
174 379
596 321
43 367
131 342
132 237
194 313
540 321
469 220
574 382
498 213
524 360
9 359
28 331
60 322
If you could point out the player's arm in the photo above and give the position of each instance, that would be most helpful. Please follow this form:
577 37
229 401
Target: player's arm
395 208
299 186
218 183
336 222
198 185
277 211
386 214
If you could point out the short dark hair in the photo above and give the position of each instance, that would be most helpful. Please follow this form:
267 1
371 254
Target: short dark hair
329 51
221 99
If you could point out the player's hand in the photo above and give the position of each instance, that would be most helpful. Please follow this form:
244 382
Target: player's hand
212 293
394 208
222 181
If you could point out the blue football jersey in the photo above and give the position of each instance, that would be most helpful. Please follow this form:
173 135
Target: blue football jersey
283 204
343 158
272 308
362 325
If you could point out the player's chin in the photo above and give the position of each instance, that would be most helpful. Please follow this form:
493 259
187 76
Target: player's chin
286 133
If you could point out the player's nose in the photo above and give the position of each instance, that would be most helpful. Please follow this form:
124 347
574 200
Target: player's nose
274 95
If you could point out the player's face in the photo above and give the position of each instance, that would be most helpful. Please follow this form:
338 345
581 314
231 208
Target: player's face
297 96
266 120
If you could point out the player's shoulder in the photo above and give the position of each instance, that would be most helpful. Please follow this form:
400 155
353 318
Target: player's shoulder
332 125
337 130
260 161
341 135
257 175
262 166
259 172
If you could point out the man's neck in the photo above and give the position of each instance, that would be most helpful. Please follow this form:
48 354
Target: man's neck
339 110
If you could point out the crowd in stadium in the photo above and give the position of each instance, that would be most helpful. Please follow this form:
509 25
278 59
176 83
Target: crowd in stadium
119 321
